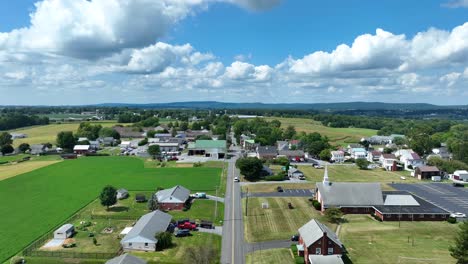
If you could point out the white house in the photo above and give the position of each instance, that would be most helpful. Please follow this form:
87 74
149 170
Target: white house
337 156
142 235
374 156
358 153
388 161
410 159
64 232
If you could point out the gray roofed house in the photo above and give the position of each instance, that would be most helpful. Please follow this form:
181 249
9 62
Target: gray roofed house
126 259
38 149
141 237
314 230
266 152
173 198
291 153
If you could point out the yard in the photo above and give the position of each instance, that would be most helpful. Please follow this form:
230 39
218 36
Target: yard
46 197
370 241
271 187
277 222
48 133
338 136
268 256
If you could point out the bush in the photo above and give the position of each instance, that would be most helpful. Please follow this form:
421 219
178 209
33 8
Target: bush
17 260
299 260
376 217
452 220
316 204
277 177
197 164
3 162
97 154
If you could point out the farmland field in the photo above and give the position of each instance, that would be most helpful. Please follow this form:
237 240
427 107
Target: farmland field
338 136
39 200
8 171
48 133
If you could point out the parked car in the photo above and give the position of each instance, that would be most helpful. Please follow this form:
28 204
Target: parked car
206 224
302 177
295 238
279 189
199 195
458 215
317 166
183 233
187 225
236 179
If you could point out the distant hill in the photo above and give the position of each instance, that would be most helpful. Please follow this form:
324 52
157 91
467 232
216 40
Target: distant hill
294 106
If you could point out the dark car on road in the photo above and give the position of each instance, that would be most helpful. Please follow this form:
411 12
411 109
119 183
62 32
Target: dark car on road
279 189
183 233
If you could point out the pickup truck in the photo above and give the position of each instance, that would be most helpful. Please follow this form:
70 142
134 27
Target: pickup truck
187 225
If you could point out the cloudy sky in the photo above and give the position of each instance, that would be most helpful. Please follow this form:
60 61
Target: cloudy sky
61 52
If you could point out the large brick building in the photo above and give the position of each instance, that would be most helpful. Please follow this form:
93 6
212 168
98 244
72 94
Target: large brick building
319 244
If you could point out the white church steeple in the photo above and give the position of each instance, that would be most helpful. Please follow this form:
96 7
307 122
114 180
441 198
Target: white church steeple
326 182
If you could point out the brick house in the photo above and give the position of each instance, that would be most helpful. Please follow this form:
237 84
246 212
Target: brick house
173 198
319 244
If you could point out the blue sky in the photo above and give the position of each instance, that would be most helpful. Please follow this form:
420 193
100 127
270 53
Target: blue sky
233 50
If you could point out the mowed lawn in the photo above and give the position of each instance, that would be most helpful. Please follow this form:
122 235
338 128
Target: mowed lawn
48 133
35 202
370 241
277 222
268 256
339 136
271 187
8 171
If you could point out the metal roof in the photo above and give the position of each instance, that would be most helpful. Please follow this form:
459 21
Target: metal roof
350 194
400 200
176 194
208 144
64 228
325 259
126 259
147 226
314 230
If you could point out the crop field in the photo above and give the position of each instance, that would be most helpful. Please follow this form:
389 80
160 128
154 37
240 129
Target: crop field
277 222
338 136
48 133
40 200
281 255
370 241
8 171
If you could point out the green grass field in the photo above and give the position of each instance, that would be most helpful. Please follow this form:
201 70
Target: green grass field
370 241
338 136
39 200
277 222
268 256
48 133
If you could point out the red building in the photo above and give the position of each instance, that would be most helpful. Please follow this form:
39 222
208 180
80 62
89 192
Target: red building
319 244
174 198
81 149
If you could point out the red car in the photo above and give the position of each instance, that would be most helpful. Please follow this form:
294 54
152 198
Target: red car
187 225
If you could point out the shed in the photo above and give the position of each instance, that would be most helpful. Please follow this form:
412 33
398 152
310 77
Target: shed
64 232
140 198
126 259
122 194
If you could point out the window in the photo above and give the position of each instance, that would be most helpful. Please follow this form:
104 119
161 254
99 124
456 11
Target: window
432 215
318 251
146 244
129 244
330 251
421 216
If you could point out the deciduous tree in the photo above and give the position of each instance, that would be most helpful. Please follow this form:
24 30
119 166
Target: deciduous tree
108 196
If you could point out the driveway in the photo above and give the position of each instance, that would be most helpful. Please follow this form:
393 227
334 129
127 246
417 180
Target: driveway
285 193
215 198
251 247
444 195
218 230
55 242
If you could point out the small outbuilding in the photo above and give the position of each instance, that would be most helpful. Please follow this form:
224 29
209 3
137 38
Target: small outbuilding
426 172
126 259
64 232
140 198
81 149
122 194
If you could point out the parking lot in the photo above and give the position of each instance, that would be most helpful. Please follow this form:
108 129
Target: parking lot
452 199
285 193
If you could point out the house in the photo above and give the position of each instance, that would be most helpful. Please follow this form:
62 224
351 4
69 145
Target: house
358 153
142 235
208 148
337 156
295 155
167 147
441 152
409 158
18 135
426 172
460 175
266 152
163 136
389 162
249 144
173 198
129 132
94 144
81 149
353 145
319 244
38 149
374 156
125 144
378 140
122 194
282 145
126 259
108 141
64 232
295 173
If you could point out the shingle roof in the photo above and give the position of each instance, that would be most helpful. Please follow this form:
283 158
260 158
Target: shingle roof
428 169
388 156
267 150
292 153
126 259
176 194
147 226
313 231
342 194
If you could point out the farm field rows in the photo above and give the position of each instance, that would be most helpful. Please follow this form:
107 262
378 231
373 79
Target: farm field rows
40 200
339 136
48 133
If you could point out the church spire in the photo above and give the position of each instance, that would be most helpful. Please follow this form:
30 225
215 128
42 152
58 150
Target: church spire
326 182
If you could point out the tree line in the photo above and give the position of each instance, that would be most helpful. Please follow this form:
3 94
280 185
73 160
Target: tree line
17 120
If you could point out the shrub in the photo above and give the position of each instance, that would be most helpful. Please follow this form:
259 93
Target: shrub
16 260
97 154
333 215
452 220
94 241
316 204
277 177
197 164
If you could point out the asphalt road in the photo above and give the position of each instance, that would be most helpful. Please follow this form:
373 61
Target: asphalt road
452 199
285 193
232 249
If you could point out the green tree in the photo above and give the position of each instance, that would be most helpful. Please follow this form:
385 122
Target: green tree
109 132
154 150
153 204
23 147
459 250
88 130
333 215
66 140
399 141
143 142
362 164
5 139
325 154
108 196
250 167
419 139
164 240
183 126
6 149
289 132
